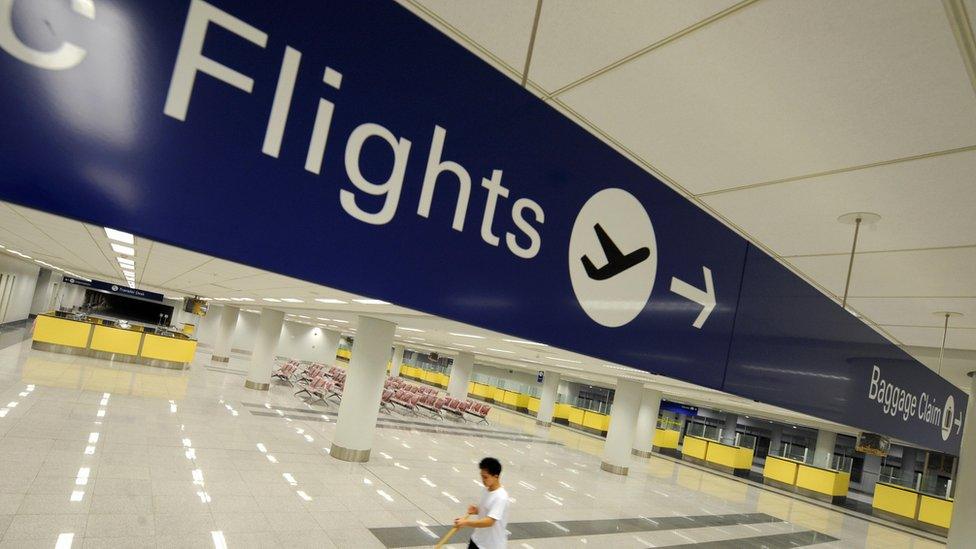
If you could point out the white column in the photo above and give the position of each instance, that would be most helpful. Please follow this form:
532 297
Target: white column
728 432
225 333
962 531
364 387
907 473
681 428
397 361
824 452
262 358
547 400
646 423
330 347
623 421
457 385
42 291
870 473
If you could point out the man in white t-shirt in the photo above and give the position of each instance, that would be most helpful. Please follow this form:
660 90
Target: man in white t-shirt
492 511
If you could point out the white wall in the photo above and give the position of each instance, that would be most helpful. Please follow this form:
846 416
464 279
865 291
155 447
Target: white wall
42 291
301 342
244 333
23 290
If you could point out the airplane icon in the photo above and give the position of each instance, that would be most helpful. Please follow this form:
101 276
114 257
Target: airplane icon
617 262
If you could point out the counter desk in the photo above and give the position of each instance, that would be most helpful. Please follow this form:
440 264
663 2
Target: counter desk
728 458
96 338
912 507
820 483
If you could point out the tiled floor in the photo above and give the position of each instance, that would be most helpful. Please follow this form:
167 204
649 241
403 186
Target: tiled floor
95 454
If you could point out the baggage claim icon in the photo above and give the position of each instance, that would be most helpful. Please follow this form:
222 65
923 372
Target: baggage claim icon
612 257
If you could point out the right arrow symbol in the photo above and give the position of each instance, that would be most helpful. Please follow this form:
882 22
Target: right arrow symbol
704 298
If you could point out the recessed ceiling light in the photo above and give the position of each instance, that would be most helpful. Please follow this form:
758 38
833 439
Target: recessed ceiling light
325 319
272 300
371 302
472 336
464 345
563 359
125 250
291 300
501 351
340 321
405 329
524 342
330 300
121 236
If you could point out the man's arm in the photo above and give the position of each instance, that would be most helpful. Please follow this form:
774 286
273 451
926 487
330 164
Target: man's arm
486 522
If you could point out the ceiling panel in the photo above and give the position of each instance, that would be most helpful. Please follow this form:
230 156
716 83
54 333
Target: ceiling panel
578 37
925 273
781 89
917 311
923 203
932 337
502 27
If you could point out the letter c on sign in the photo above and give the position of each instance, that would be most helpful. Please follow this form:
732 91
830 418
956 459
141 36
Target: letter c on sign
66 56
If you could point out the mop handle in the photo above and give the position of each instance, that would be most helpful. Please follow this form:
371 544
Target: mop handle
447 536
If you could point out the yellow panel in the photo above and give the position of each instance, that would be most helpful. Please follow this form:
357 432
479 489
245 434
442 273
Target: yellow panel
59 331
533 405
743 458
344 353
695 447
168 348
114 340
780 470
595 420
442 379
666 438
895 500
832 483
523 400
721 454
935 511
576 415
561 411
511 398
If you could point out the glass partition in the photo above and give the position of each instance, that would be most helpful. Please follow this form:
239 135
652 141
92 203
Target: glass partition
703 430
668 424
745 440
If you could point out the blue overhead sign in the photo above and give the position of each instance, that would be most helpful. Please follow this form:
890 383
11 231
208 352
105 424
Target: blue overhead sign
354 146
113 288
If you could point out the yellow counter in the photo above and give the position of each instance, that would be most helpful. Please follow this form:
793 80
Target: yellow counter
92 338
735 460
912 507
533 405
561 411
780 470
666 438
61 331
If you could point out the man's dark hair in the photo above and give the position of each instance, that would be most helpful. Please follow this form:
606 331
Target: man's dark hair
492 465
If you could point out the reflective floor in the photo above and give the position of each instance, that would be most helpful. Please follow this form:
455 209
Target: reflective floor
99 454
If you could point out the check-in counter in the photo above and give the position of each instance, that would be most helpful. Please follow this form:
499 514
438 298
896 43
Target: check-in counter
95 338
911 507
560 413
820 483
665 440
727 458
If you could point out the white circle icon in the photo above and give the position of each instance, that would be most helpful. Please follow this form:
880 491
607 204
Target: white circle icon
612 257
948 415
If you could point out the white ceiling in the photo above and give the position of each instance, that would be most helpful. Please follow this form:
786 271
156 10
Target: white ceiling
777 118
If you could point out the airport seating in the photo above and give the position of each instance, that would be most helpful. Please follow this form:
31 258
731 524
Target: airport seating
406 400
453 407
432 404
479 410
385 401
286 372
315 387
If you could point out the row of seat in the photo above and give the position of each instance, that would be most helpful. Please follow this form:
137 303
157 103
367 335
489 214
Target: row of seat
319 382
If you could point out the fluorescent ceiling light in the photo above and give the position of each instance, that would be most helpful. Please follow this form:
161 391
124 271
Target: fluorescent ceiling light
271 300
464 345
340 321
524 342
416 339
125 261
371 301
15 252
120 236
128 272
564 359
330 300
501 351
325 319
405 329
303 316
125 250
472 336
291 300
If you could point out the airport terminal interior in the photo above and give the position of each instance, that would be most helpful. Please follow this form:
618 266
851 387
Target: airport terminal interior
732 306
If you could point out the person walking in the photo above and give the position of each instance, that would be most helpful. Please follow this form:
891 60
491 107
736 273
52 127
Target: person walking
492 511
